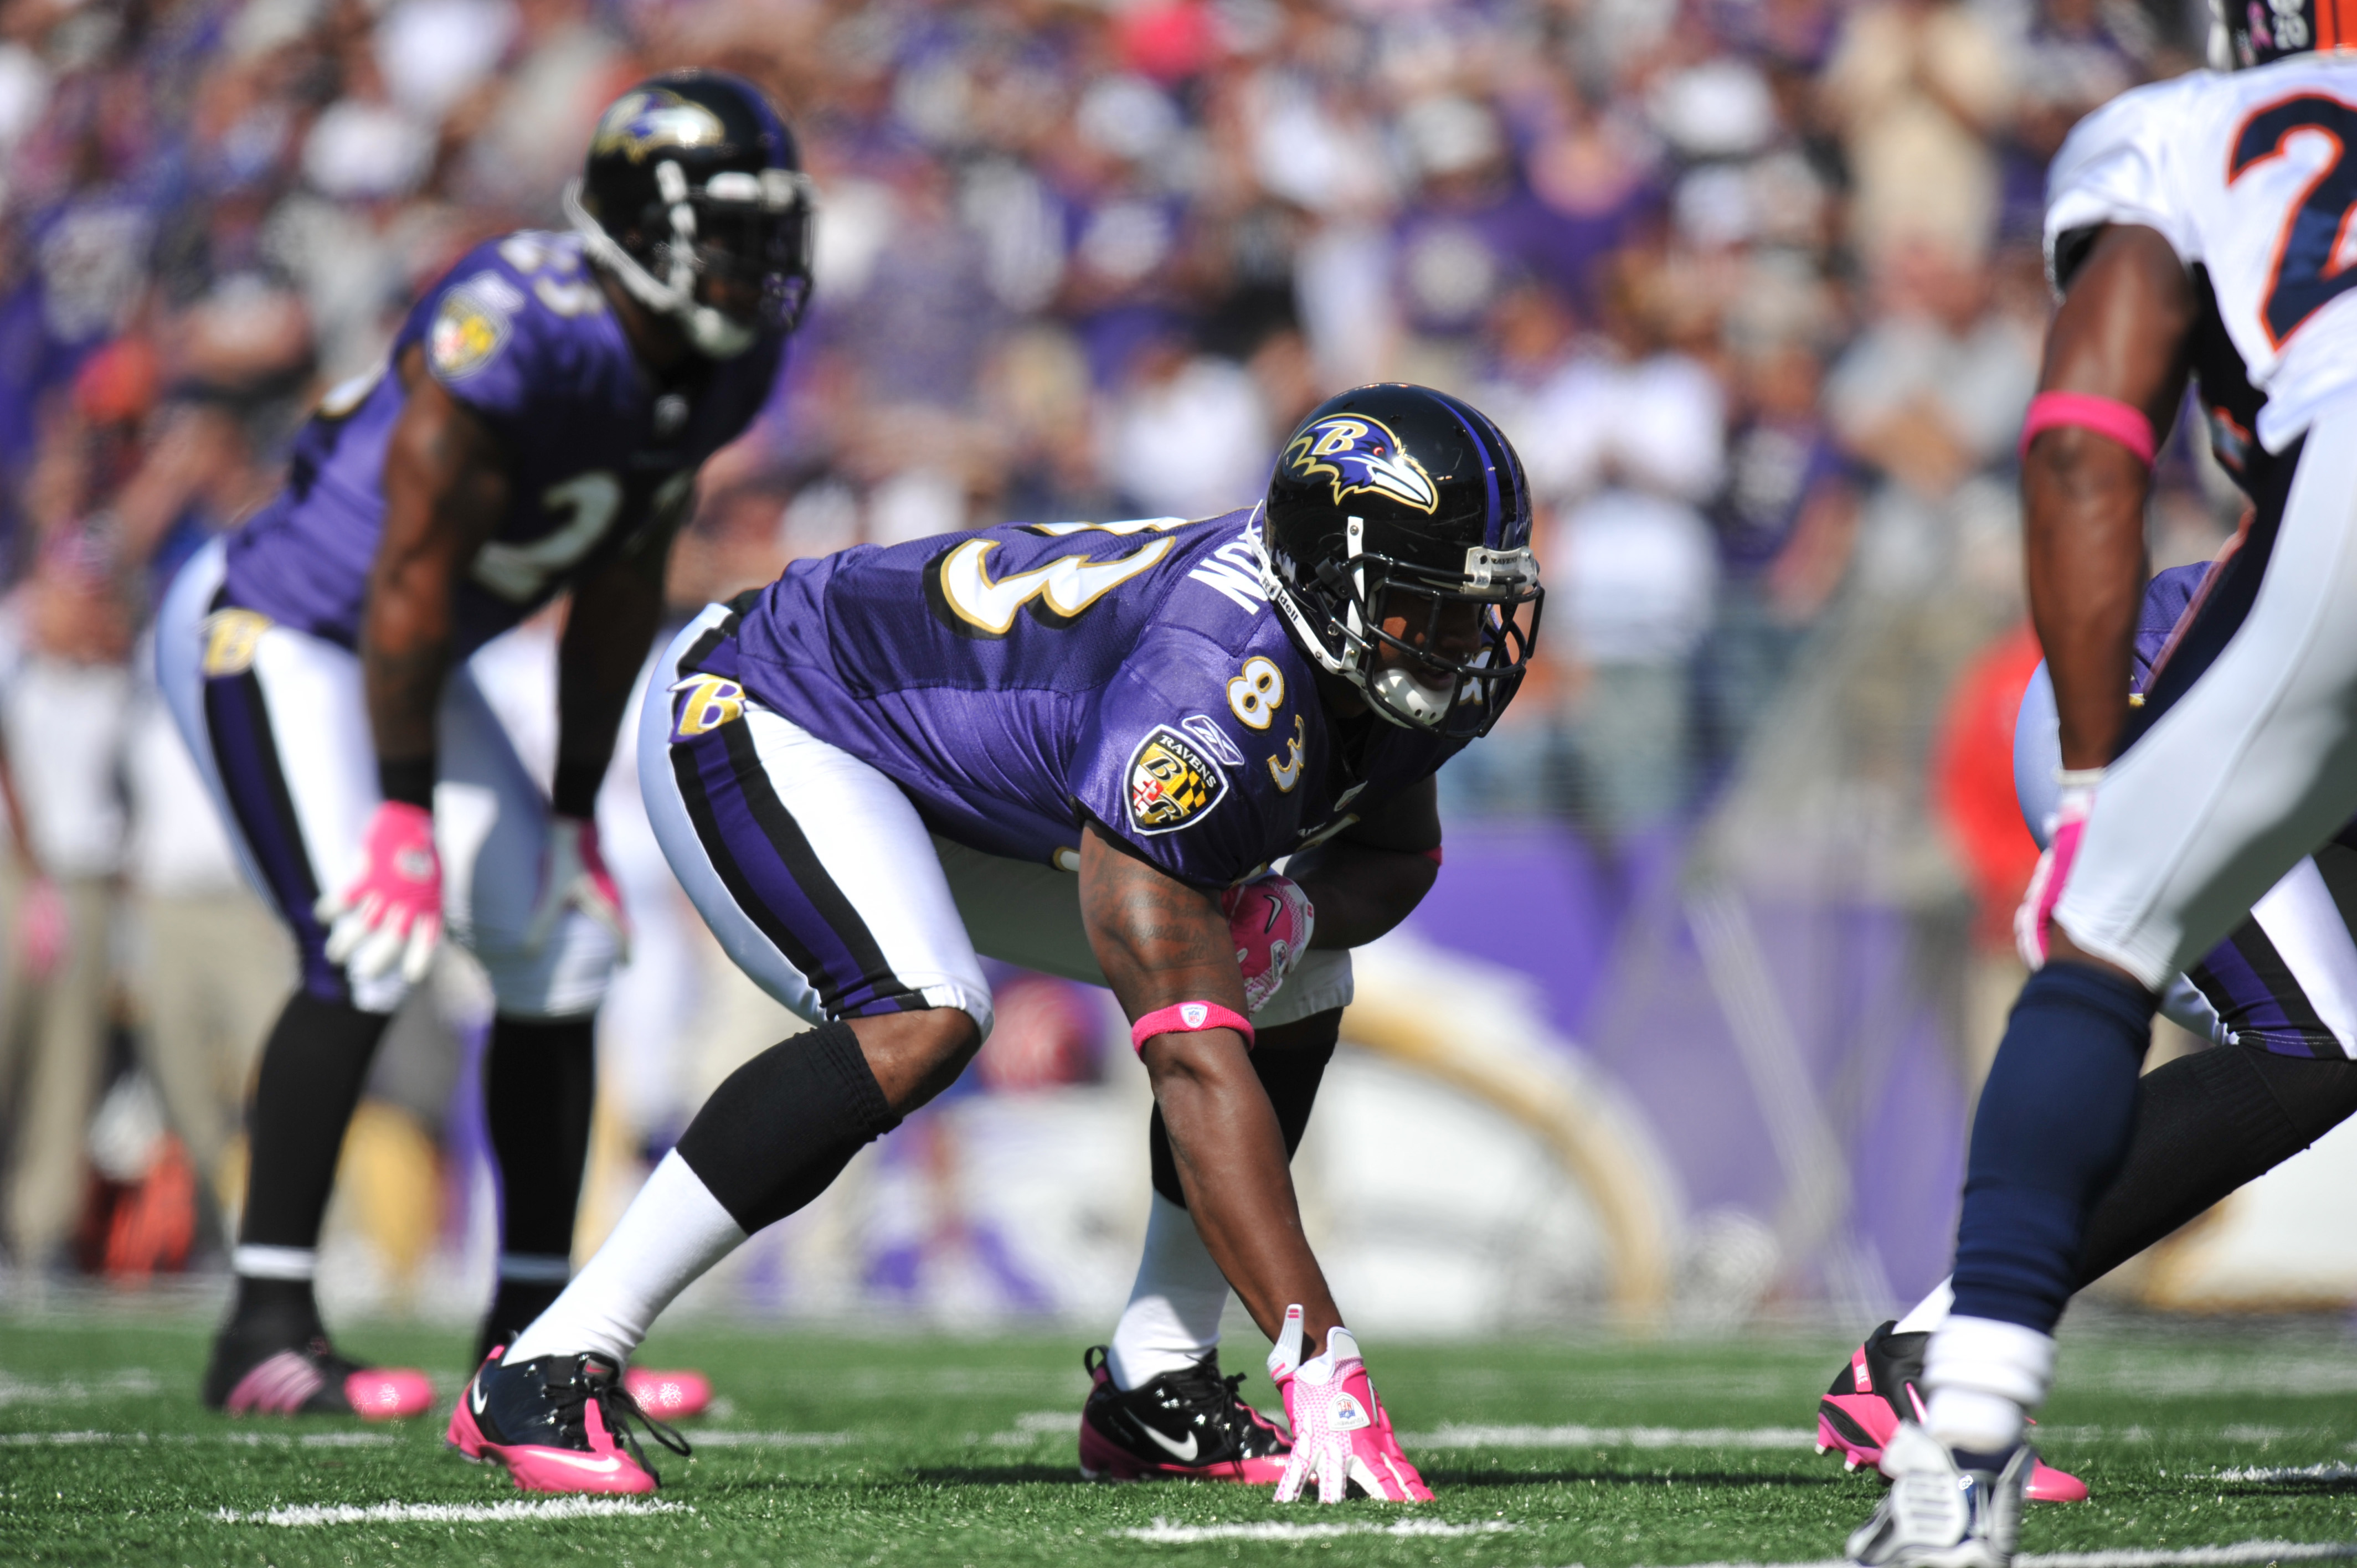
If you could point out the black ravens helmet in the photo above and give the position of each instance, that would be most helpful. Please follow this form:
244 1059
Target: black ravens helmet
1396 503
694 198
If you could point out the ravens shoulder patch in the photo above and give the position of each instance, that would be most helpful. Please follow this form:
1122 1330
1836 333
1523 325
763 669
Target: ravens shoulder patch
1172 781
467 332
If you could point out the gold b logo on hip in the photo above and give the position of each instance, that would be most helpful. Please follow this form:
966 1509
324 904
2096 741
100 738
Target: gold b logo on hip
709 703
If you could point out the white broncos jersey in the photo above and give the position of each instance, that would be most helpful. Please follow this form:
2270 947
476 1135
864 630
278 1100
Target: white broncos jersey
2252 176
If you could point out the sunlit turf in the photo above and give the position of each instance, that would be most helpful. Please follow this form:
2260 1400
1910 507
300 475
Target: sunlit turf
921 1450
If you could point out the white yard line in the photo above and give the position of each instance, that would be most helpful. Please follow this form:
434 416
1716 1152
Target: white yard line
456 1513
2332 1472
235 1439
1452 1435
1163 1532
771 1439
2251 1552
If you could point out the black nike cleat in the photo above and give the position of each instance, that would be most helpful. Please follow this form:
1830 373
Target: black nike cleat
261 1374
1881 1387
559 1423
1183 1425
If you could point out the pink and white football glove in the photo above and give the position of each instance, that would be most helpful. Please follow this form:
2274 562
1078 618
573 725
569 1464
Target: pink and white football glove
391 912
1271 921
2034 920
1340 1433
574 877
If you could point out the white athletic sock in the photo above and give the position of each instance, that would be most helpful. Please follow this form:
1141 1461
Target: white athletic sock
1929 1313
1985 1377
1173 1317
672 1231
255 1263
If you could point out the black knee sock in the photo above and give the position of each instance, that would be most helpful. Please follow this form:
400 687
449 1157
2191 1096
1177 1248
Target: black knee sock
2050 1133
1291 1062
312 1069
540 1080
781 1127
2204 1125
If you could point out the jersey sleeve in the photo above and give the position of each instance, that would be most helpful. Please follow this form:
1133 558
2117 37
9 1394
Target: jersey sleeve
1167 767
2118 165
489 345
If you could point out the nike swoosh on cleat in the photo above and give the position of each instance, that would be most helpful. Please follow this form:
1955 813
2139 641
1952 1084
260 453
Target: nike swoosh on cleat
475 1394
1185 1455
582 1462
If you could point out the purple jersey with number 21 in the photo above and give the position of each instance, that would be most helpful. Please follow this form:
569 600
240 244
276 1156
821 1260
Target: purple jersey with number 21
519 332
1018 680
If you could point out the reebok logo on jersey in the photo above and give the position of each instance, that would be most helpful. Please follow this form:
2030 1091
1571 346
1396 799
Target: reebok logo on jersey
1172 781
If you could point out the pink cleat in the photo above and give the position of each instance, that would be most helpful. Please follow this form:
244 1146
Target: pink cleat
559 1423
312 1380
1882 1386
674 1396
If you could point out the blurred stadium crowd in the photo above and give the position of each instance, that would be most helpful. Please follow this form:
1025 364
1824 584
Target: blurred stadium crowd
1753 285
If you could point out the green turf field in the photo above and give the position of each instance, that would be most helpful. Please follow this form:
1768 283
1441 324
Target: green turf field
863 1452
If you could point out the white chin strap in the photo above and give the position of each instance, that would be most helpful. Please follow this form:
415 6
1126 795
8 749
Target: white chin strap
1408 701
710 332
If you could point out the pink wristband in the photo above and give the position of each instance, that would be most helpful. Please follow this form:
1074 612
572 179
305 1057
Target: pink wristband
2123 423
1187 1018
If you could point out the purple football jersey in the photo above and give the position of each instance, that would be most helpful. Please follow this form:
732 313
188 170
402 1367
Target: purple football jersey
520 333
1016 681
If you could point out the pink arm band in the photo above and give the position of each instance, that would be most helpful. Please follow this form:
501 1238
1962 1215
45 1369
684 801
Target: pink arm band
2123 423
1187 1018
1433 854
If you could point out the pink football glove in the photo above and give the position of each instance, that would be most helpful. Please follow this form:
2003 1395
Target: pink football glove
2035 917
42 926
1270 920
391 912
576 877
1340 1433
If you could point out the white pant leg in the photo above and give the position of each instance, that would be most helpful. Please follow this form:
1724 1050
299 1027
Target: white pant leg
2255 766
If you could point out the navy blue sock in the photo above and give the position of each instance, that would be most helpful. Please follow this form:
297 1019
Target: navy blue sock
2052 1131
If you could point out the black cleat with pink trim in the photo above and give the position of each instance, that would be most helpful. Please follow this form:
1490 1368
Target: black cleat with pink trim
1882 1386
559 1423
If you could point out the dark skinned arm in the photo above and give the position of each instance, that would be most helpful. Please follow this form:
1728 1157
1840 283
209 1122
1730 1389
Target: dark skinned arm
617 611
1363 882
1159 942
445 489
2123 332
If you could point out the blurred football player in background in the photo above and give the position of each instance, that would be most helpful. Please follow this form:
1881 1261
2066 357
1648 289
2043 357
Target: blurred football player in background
2194 226
536 429
1080 746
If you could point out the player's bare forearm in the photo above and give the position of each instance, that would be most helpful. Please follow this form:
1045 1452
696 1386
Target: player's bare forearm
1365 882
445 486
1159 942
2122 333
615 614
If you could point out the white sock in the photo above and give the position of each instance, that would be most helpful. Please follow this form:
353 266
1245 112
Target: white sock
672 1231
1173 1317
1929 1313
1985 1377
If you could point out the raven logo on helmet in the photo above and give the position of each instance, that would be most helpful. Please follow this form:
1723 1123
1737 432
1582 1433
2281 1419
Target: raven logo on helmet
646 118
1361 455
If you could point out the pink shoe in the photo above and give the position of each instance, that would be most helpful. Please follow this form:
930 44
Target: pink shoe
1188 1425
674 1396
559 1424
1858 1414
311 1381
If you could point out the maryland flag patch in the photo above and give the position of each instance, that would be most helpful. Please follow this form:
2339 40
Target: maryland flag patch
1171 782
468 330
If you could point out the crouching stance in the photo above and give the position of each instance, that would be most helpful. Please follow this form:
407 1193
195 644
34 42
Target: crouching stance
1079 746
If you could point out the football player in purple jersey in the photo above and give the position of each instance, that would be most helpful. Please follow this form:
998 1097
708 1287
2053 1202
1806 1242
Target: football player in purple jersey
1081 746
535 430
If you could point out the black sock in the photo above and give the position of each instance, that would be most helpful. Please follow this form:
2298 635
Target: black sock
312 1069
2205 1124
540 1080
1290 1060
780 1129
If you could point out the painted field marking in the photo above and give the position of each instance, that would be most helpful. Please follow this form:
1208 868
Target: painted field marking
455 1513
771 1439
73 1391
2136 1557
2332 1472
1032 1425
1450 1434
1163 1532
236 1439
